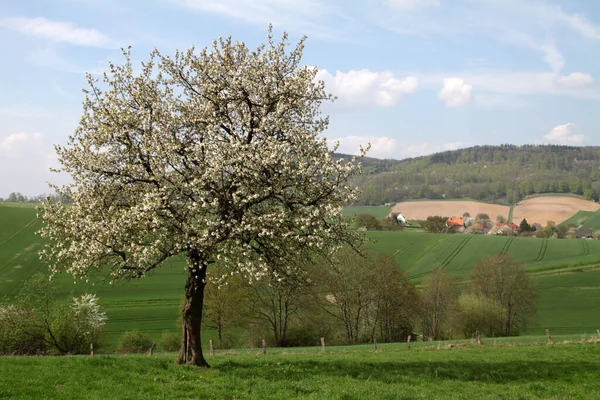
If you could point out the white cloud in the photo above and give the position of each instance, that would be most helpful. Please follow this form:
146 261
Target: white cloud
25 159
57 31
14 145
456 92
386 147
564 134
512 84
537 25
311 17
575 79
412 4
367 88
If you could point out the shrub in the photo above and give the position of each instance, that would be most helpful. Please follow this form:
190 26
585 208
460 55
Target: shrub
76 325
134 342
170 341
37 323
18 333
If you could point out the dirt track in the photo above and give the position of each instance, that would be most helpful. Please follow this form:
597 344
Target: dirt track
423 209
551 208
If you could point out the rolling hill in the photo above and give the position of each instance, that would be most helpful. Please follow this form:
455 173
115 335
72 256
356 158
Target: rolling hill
566 270
497 174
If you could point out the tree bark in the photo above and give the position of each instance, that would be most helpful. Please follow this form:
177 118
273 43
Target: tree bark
191 313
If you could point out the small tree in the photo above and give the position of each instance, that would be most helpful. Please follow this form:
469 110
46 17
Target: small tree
506 282
435 224
524 226
437 301
347 284
215 155
224 306
480 313
392 224
276 299
367 221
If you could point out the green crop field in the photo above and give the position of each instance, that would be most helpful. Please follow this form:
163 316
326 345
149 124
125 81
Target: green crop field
590 219
496 370
569 301
378 211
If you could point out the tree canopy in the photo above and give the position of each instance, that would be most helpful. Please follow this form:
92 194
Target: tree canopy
216 154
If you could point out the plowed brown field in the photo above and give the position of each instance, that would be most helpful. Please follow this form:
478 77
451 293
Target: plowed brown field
538 209
551 208
422 209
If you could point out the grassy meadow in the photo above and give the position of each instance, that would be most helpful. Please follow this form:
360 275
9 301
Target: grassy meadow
497 370
567 271
378 211
590 219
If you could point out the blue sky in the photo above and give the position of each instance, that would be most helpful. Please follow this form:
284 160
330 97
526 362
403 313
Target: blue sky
412 77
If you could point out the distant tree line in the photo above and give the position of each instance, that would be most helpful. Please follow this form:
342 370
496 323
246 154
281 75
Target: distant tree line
501 174
18 197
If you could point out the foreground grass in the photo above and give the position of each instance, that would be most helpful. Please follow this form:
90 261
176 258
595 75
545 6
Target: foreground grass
394 372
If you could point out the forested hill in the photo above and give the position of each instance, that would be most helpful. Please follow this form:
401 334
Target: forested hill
500 174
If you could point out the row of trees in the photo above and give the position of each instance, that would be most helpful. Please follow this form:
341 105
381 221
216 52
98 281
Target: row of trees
18 197
356 298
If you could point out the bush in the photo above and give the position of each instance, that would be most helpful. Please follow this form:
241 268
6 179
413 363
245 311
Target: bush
18 334
77 325
170 341
134 342
37 323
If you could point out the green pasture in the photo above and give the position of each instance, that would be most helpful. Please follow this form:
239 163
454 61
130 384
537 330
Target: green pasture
151 304
378 211
431 370
419 253
590 219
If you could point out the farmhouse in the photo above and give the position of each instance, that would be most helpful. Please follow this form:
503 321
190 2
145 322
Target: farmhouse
455 224
400 218
584 233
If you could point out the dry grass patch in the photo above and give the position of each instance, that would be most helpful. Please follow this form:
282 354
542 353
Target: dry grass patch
551 208
420 210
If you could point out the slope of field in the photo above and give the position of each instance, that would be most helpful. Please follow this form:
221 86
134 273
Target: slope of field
151 304
377 211
420 210
551 208
419 253
569 301
585 219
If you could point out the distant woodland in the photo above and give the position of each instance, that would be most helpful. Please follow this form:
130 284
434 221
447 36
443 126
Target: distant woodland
498 174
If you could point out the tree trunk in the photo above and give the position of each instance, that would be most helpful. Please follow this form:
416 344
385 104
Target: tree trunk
191 313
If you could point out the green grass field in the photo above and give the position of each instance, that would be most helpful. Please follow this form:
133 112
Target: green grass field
590 219
569 301
497 370
378 211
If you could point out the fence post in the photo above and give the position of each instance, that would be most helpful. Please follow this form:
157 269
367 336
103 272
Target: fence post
323 344
212 347
91 349
478 334
264 346
408 341
152 349
548 336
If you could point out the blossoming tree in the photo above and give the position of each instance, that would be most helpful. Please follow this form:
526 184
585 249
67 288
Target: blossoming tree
216 155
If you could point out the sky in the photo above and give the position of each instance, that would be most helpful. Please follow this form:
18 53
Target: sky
412 77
